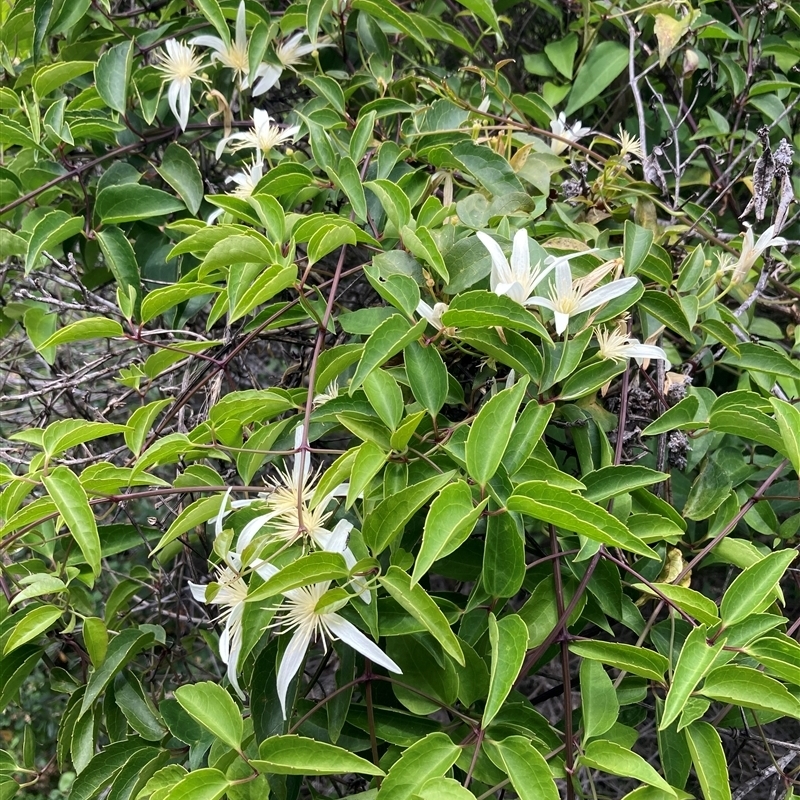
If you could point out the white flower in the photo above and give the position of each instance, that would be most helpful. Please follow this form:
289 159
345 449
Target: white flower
300 613
560 128
432 315
518 279
752 250
179 65
292 518
616 345
289 54
569 298
331 392
263 136
231 594
247 180
230 54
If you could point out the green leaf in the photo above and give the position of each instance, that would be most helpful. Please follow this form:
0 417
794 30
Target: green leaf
637 245
749 688
84 330
710 762
637 660
708 492
273 280
35 622
614 480
528 771
52 76
179 169
695 660
450 521
753 590
95 637
42 15
52 229
202 784
195 514
428 758
604 64
297 755
121 261
491 430
161 300
389 338
132 201
489 168
104 767
599 703
780 654
385 397
484 10
128 695
369 461
526 434
697 605
678 417
394 200
481 309
112 75
588 380
214 709
541 500
211 10
788 418
348 179
417 602
140 423
666 310
395 16
443 788
72 503
562 55
503 569
615 759
427 376
122 648
421 244
509 642
760 358
312 568
391 515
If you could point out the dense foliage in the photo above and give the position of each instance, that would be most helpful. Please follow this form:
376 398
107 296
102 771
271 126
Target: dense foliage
398 399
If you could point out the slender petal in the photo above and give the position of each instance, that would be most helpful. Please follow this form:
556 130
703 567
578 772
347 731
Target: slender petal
213 42
291 661
267 76
352 636
198 591
605 293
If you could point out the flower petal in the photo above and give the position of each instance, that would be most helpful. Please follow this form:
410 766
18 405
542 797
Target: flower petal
352 636
198 591
290 663
214 42
501 271
520 254
602 294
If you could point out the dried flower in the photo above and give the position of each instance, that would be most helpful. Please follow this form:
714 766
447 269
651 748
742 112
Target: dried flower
752 251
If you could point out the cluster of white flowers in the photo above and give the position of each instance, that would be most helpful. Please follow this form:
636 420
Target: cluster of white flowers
566 298
289 518
179 65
